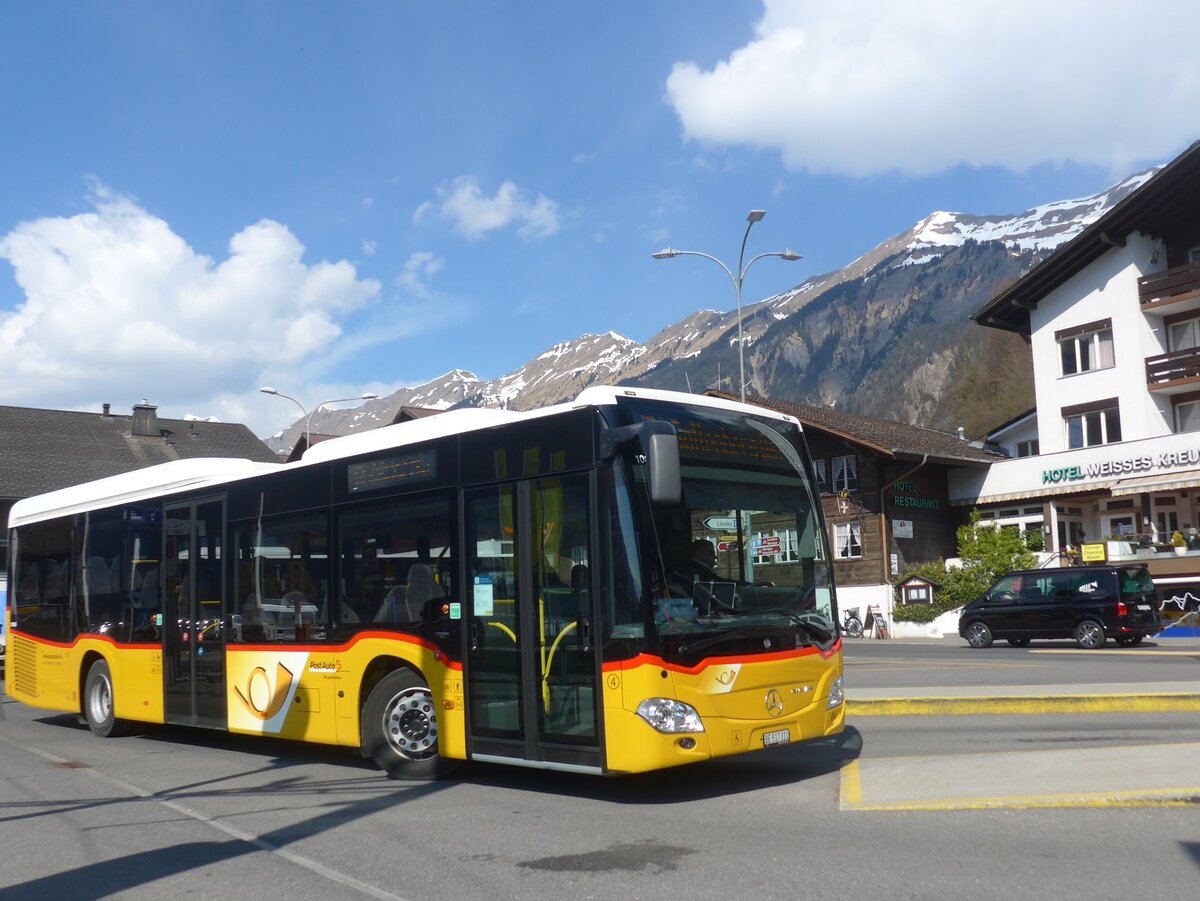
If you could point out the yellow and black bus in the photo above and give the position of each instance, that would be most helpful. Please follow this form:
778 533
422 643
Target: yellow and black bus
476 585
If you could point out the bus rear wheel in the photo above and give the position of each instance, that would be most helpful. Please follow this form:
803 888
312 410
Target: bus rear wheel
98 702
400 729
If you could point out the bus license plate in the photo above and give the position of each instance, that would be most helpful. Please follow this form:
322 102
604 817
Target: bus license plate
781 737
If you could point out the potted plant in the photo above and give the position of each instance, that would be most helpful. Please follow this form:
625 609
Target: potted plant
1179 543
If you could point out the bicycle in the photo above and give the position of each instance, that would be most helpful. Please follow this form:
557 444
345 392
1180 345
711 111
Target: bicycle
851 624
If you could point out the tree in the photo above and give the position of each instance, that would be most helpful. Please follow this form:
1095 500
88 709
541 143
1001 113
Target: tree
986 551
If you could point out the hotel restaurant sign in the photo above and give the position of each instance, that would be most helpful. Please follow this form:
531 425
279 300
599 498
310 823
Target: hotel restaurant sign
1123 467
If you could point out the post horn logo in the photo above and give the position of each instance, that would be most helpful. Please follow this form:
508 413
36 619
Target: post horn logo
774 701
262 699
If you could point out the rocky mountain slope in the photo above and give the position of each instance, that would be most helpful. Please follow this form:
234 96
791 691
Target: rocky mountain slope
888 335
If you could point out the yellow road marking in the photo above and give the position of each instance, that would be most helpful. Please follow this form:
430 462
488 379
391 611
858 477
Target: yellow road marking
851 788
1171 797
933 706
1125 652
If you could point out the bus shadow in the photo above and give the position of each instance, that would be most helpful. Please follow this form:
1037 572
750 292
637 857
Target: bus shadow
256 745
744 773
698 782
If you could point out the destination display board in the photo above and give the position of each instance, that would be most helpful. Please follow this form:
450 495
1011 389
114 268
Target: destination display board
391 472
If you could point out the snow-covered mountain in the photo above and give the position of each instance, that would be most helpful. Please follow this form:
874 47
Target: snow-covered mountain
881 336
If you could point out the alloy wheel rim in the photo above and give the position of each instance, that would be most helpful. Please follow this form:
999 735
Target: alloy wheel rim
410 723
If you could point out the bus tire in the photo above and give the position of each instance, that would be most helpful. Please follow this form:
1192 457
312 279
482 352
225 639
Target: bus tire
98 702
400 729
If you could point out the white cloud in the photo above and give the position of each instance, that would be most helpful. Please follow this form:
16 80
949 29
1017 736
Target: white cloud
473 215
873 86
418 270
369 248
117 306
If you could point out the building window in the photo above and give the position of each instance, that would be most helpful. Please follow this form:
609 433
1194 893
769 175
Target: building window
1168 522
1184 335
1084 351
780 546
1194 254
1028 448
822 485
847 540
1187 416
845 473
1088 428
1123 526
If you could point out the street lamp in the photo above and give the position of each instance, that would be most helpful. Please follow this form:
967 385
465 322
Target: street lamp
751 217
307 415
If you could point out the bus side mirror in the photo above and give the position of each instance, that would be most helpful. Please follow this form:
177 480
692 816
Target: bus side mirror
662 455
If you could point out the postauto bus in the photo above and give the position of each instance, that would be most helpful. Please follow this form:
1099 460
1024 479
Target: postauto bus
476 585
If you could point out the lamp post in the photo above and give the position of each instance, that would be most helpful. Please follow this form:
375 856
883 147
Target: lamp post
307 415
751 217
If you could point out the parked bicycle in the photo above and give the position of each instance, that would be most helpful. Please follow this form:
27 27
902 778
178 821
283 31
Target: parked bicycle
851 624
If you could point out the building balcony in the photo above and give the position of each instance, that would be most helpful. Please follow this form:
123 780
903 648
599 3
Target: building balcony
1177 288
1174 372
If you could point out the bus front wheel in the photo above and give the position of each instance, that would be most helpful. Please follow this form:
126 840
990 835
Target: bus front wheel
98 702
400 728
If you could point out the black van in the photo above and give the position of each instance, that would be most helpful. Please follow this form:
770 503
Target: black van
1087 603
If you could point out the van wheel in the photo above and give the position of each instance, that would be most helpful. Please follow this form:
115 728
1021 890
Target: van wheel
98 702
1129 641
400 729
979 635
1089 634
1019 642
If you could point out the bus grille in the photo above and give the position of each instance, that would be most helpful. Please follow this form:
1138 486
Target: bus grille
24 664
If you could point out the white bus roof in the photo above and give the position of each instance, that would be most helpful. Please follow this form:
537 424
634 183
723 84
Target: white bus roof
184 475
130 487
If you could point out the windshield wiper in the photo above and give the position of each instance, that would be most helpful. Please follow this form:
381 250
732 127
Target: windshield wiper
686 649
821 635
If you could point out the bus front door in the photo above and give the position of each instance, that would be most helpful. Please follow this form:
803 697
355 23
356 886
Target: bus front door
530 662
193 635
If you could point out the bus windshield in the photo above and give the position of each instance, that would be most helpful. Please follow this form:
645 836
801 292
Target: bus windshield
740 564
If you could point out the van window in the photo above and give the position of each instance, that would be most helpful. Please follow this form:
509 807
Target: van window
1136 580
1007 589
1095 584
1060 585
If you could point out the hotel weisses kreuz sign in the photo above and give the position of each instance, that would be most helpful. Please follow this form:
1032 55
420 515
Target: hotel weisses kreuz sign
1122 467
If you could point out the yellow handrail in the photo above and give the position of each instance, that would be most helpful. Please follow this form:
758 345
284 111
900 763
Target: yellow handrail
549 660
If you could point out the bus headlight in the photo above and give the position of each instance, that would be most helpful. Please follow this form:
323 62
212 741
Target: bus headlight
667 715
837 694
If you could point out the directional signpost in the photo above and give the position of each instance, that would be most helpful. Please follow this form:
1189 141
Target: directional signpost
766 546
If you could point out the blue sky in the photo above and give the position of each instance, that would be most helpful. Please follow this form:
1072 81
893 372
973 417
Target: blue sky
203 198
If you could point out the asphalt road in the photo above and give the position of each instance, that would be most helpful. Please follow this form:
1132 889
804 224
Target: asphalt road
939 663
175 812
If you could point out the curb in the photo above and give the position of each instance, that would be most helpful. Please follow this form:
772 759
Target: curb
1124 703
